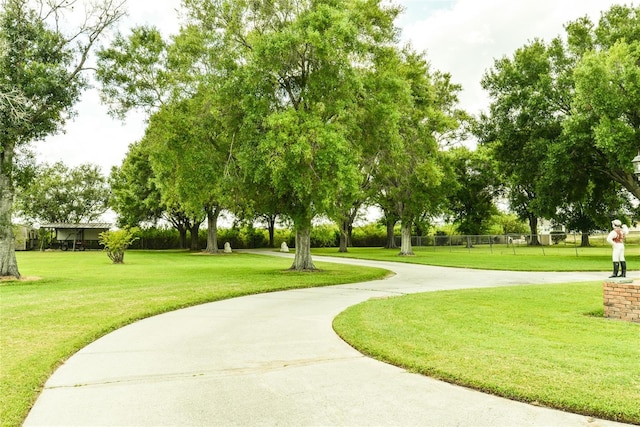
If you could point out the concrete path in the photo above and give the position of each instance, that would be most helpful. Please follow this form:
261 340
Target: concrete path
273 359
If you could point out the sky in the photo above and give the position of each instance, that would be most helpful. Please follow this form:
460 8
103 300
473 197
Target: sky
460 37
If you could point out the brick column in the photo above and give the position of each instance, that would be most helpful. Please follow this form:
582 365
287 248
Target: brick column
622 299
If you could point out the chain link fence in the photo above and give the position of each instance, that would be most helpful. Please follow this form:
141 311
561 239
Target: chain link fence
515 242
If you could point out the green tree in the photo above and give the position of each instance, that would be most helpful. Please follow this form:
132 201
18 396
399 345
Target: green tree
298 90
479 184
569 109
507 223
58 193
412 178
377 122
134 195
178 84
136 198
189 151
576 194
134 72
44 66
605 121
525 119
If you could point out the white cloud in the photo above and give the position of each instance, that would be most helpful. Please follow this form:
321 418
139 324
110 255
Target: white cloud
466 37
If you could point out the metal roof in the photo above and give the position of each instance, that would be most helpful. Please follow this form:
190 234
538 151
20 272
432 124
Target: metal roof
63 225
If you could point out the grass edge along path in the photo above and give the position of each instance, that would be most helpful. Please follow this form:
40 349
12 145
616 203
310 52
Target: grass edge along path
554 258
546 345
81 296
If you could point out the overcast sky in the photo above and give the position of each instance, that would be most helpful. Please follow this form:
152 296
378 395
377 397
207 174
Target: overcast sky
461 37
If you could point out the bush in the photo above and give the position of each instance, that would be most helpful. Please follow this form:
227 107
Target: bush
325 236
117 242
254 237
284 235
157 238
369 235
558 236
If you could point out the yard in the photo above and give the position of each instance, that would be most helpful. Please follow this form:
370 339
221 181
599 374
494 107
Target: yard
74 298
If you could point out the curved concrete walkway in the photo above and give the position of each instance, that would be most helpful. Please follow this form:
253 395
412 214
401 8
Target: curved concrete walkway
273 359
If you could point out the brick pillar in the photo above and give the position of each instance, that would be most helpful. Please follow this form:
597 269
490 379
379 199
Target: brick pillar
622 299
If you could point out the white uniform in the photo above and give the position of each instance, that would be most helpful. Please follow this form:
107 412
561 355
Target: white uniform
616 240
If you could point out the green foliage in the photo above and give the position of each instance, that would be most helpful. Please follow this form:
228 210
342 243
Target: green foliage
157 238
116 242
58 193
412 177
325 235
558 109
42 78
37 63
372 235
479 184
298 139
134 194
520 128
507 224
132 71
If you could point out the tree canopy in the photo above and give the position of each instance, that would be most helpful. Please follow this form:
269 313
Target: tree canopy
58 193
42 70
564 120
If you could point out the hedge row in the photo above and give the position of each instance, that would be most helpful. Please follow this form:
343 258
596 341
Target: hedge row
248 237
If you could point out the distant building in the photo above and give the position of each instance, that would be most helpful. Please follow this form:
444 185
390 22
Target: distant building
75 236
26 237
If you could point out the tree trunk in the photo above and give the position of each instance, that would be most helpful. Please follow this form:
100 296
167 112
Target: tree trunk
182 240
533 226
302 260
585 240
193 231
405 244
391 241
271 224
8 262
212 230
344 236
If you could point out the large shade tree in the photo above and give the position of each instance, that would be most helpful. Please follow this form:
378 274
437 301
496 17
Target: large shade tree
569 109
179 83
137 200
188 154
412 180
605 115
298 86
42 72
473 202
58 193
525 119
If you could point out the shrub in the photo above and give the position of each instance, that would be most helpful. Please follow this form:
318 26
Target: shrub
558 236
157 238
369 235
325 236
117 242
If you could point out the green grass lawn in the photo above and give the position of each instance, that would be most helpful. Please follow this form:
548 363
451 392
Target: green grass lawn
547 345
500 257
82 296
